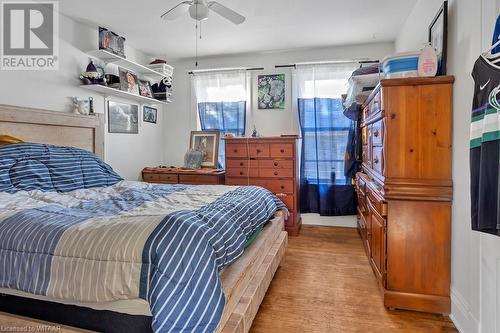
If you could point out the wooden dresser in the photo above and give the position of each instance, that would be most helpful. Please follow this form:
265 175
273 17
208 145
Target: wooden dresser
270 162
183 176
405 191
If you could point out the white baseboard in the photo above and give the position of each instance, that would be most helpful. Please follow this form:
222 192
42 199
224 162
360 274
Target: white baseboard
462 317
330 221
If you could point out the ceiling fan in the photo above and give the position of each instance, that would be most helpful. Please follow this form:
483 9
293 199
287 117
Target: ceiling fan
200 10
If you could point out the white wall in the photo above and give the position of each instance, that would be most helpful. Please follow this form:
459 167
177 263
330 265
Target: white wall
475 257
52 90
182 112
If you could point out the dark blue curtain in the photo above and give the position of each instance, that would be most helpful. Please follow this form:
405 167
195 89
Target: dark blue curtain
325 132
227 117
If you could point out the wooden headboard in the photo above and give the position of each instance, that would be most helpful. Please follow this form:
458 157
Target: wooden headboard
56 128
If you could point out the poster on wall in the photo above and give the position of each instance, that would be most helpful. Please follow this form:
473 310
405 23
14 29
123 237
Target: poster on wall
271 92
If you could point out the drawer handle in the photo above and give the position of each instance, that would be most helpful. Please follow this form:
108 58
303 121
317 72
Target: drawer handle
235 151
375 160
275 173
282 187
276 163
376 133
241 173
282 150
242 164
259 151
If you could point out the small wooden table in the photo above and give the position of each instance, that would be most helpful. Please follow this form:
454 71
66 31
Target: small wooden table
184 176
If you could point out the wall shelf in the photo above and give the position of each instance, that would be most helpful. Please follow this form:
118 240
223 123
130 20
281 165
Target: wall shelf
107 92
141 70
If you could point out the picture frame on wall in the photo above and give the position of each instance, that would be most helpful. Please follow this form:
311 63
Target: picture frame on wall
128 81
123 118
208 143
149 114
271 92
438 37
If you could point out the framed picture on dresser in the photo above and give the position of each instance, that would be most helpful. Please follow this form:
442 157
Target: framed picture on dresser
438 37
208 143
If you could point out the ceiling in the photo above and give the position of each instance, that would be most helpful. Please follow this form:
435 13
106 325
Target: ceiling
270 25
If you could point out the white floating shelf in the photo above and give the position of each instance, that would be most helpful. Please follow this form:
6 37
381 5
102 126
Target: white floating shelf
107 91
141 70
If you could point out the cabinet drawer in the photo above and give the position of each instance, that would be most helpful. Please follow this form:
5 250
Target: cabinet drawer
276 173
376 202
275 186
378 160
151 177
241 164
366 156
199 179
259 150
281 150
242 172
288 200
378 133
169 178
236 150
375 105
279 164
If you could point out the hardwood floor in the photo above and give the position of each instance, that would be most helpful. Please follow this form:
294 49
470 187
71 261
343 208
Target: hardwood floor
326 285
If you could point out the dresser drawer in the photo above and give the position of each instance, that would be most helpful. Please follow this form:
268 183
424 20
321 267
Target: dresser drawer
278 164
276 173
151 177
259 150
169 178
281 150
241 164
377 133
375 202
237 150
366 156
375 106
242 172
378 160
288 200
275 185
199 179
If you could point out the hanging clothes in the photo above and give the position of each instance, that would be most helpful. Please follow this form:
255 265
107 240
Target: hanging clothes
485 148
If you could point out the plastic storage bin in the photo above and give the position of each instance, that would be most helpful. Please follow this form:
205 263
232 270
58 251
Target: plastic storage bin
401 65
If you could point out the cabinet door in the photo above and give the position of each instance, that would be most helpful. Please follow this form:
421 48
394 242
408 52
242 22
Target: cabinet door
378 243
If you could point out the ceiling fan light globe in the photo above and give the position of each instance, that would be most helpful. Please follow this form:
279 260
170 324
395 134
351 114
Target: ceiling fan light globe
199 12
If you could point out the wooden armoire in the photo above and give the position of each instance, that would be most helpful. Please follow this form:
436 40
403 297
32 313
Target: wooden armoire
405 191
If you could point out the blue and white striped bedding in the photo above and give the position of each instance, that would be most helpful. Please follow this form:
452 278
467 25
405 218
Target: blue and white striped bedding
162 243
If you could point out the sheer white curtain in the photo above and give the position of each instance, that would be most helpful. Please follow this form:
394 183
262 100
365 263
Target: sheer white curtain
322 80
220 86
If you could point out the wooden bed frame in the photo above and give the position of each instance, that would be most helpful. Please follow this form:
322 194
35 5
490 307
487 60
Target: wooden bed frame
245 282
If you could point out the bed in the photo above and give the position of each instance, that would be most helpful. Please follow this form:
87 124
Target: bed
155 275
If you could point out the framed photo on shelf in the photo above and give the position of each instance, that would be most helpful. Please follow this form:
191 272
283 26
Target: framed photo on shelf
128 81
438 37
208 143
149 114
123 118
145 89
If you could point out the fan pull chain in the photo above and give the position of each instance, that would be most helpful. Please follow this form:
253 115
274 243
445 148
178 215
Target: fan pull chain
196 44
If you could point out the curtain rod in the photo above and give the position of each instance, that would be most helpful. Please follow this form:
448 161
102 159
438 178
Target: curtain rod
226 70
329 62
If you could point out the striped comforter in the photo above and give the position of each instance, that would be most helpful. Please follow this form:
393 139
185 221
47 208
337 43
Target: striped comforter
162 243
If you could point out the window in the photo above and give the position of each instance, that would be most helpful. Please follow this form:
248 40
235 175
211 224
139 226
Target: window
221 103
324 127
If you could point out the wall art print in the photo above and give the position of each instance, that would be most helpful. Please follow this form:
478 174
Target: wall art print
271 91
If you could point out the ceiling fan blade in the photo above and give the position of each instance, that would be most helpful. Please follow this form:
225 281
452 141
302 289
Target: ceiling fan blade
177 11
225 12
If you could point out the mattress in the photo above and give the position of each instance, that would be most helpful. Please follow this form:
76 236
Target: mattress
134 313
136 307
130 247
